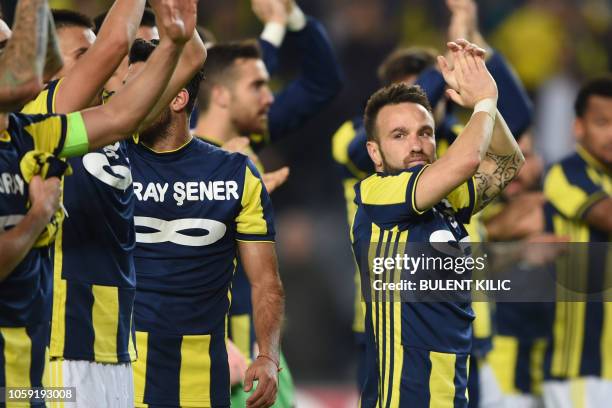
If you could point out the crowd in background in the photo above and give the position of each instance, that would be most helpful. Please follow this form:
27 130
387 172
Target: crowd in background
553 45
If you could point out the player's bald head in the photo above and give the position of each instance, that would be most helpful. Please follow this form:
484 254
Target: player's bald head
221 66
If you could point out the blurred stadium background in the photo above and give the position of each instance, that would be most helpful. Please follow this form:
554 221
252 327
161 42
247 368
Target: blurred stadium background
552 44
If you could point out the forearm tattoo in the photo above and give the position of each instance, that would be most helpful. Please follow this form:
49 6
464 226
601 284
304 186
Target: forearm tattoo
490 185
54 61
24 56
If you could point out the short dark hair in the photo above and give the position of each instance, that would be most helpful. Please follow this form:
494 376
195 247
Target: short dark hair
601 86
221 57
148 20
70 18
404 62
141 51
394 94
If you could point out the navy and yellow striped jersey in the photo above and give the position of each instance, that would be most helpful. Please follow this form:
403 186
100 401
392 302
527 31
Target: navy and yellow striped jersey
354 164
193 205
386 214
94 276
25 294
385 225
581 334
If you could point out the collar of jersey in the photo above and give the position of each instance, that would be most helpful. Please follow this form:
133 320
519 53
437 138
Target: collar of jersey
410 170
587 157
169 154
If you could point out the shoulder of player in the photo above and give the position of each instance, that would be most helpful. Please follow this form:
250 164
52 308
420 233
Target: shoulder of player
568 167
343 138
217 153
381 188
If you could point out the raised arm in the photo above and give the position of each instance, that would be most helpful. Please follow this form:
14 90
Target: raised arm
320 80
125 111
192 59
18 241
472 87
513 101
23 60
260 265
53 60
84 82
500 166
273 14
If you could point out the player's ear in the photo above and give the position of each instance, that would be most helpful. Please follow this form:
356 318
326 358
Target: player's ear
180 101
220 96
579 129
374 152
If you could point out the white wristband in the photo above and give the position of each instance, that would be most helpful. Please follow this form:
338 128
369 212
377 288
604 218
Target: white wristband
297 19
274 33
488 106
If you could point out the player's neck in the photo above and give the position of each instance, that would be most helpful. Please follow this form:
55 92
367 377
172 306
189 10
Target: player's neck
4 122
214 128
176 136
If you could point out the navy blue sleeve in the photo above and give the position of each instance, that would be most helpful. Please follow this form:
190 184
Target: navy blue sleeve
320 80
269 55
513 102
432 82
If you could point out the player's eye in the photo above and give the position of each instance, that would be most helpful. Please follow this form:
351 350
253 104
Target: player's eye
601 122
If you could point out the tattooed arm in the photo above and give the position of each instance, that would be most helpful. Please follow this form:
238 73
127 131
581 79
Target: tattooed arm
53 62
501 164
23 60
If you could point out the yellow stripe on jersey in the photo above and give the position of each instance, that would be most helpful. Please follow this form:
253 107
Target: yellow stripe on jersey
503 359
459 198
17 356
131 345
38 105
482 321
105 319
341 140
568 199
389 190
536 365
58 322
568 339
441 380
5 136
396 335
606 341
195 370
48 134
251 219
241 333
340 149
139 367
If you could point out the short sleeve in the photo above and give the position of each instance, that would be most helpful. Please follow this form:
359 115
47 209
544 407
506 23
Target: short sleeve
255 222
44 102
390 199
463 201
60 135
571 190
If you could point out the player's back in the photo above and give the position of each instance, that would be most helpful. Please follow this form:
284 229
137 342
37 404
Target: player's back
187 202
